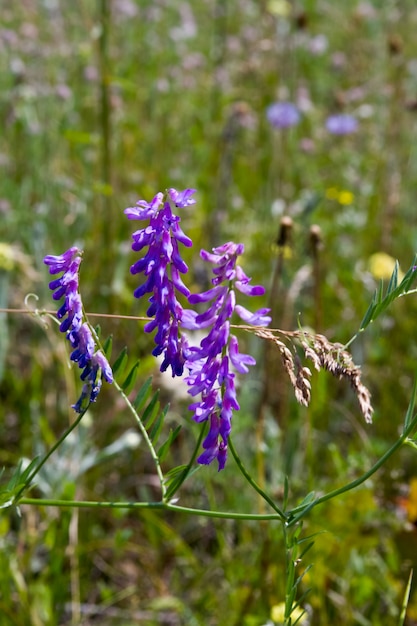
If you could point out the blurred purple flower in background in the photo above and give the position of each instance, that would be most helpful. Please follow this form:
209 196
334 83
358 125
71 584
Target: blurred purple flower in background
283 114
209 365
93 362
341 124
161 266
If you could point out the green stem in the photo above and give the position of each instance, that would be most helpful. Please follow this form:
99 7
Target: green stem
162 506
49 454
172 489
147 439
299 512
253 484
141 426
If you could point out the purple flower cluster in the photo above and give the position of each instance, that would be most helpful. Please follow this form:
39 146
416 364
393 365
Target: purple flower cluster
210 364
162 266
93 362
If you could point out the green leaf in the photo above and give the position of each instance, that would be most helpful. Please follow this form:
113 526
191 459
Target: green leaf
286 491
306 549
16 484
108 346
142 394
310 497
172 473
367 318
410 411
6 499
120 363
300 616
408 279
380 302
130 379
151 411
393 283
157 427
163 450
97 330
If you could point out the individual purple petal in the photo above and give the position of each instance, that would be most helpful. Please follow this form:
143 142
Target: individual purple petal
206 296
177 282
103 363
188 319
209 455
259 318
250 290
182 199
242 283
239 361
222 455
144 210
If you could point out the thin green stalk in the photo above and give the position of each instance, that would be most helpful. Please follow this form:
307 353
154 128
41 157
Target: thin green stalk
142 428
299 512
146 437
162 506
405 600
49 454
253 484
170 492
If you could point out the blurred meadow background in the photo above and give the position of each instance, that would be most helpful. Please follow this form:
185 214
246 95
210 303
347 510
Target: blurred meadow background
106 102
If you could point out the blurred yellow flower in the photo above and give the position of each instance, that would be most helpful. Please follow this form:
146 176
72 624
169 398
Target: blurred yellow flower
280 8
381 266
345 197
342 196
278 614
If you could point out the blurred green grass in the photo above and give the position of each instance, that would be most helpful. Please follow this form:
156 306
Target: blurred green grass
103 103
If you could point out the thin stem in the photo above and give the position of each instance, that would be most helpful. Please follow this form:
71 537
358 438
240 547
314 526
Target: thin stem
172 489
405 600
299 512
253 484
142 428
147 439
49 454
161 506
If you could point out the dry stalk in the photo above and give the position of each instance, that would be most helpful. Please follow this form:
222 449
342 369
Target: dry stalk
324 355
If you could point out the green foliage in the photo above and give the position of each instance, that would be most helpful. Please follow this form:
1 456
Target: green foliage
17 481
104 103
381 301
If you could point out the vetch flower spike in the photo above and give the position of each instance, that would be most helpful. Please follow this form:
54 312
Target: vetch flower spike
162 265
93 362
209 365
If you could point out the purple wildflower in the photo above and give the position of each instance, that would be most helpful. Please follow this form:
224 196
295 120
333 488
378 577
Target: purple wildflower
162 265
341 124
93 362
283 114
209 365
